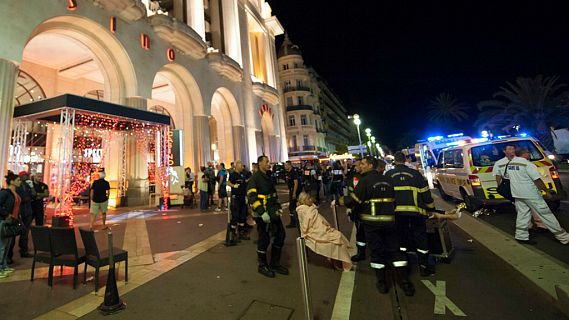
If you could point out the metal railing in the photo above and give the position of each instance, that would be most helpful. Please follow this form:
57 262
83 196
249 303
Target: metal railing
296 88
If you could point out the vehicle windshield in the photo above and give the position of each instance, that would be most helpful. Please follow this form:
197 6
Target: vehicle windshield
487 155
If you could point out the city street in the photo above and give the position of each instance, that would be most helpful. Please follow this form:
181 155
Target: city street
179 268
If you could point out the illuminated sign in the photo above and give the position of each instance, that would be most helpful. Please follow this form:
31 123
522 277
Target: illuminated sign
113 24
95 154
145 41
71 5
170 54
175 148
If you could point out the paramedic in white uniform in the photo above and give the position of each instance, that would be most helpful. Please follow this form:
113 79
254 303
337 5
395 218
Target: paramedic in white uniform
526 184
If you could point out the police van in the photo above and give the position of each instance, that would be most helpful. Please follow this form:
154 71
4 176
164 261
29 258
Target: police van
465 171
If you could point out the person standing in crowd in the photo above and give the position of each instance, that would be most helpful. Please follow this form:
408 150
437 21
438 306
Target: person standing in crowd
327 182
222 190
354 177
526 185
231 168
336 182
310 181
254 168
27 194
203 186
190 179
238 183
210 173
500 173
293 183
267 212
414 200
9 209
100 190
373 200
318 179
42 192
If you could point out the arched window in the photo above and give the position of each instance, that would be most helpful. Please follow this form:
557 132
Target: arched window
95 94
27 89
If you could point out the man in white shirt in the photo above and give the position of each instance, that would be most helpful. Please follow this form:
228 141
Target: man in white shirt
526 184
500 173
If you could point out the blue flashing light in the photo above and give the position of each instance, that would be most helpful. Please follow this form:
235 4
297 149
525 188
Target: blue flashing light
452 144
436 138
523 134
478 140
454 135
484 134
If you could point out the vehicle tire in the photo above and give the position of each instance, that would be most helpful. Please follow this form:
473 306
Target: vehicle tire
471 206
554 205
444 196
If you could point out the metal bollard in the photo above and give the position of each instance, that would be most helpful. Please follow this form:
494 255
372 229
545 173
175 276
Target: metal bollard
335 214
304 281
112 302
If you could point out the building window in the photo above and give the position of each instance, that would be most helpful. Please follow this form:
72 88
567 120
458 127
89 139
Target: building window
292 121
305 140
289 101
299 83
293 142
300 100
285 66
303 120
287 83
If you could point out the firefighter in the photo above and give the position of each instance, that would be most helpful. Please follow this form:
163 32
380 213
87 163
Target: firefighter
353 178
238 183
294 189
373 201
414 202
262 196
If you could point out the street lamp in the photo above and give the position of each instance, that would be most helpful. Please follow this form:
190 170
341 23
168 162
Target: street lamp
357 122
380 150
368 134
372 145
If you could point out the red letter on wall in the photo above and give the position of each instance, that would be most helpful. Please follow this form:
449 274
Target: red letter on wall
171 54
145 41
71 5
113 24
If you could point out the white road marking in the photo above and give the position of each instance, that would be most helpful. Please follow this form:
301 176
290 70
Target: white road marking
343 302
442 302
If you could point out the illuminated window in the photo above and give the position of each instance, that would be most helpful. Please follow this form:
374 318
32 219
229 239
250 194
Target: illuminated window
27 89
161 110
303 120
95 94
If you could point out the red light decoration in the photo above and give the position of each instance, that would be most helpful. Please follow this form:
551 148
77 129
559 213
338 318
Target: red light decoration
145 41
171 54
71 5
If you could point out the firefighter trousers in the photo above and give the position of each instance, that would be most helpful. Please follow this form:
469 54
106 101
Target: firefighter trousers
266 230
383 242
412 233
238 210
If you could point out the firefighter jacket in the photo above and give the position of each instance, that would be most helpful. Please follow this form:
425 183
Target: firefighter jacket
373 200
353 180
412 194
262 195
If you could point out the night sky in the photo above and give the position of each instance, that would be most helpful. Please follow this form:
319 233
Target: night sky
395 56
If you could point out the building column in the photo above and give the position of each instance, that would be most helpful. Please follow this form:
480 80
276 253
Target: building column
195 15
201 134
239 144
269 60
8 76
231 34
138 190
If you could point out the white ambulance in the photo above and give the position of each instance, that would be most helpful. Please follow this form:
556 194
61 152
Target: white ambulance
465 171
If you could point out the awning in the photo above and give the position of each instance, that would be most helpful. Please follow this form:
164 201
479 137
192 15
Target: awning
49 109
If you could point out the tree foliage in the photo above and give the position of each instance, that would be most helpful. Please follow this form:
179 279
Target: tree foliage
444 109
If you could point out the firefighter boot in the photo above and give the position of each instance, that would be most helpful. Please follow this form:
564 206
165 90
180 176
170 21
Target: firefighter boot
361 255
275 261
424 268
264 266
404 282
243 233
381 284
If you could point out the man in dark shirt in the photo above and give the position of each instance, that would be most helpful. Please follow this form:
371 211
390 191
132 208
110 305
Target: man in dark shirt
238 183
294 189
99 198
27 194
42 192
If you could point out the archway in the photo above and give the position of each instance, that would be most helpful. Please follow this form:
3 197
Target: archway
176 90
226 129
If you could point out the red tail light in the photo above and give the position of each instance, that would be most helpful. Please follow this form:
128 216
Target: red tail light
474 181
554 173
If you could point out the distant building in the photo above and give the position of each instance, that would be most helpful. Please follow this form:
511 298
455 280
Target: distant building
316 122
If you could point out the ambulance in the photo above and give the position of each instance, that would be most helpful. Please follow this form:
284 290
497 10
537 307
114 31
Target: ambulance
464 172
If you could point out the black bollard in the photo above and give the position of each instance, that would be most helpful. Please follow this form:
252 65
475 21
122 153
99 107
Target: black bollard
231 233
112 303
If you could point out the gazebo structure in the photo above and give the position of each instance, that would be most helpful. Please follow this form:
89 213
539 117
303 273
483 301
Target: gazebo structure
83 136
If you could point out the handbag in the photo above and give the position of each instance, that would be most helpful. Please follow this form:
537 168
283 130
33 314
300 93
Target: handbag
11 228
503 188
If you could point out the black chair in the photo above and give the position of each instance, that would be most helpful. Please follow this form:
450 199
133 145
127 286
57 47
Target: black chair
64 252
98 259
42 248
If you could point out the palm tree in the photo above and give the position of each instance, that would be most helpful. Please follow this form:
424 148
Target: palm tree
535 104
444 110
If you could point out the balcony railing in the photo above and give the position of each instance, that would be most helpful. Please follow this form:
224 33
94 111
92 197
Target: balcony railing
293 149
299 107
296 88
308 148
